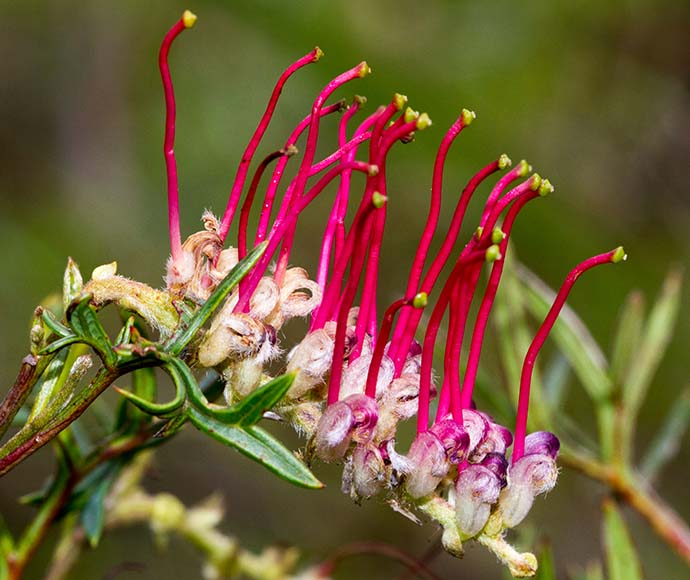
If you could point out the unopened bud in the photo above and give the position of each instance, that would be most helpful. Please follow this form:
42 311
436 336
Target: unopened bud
427 457
476 490
527 478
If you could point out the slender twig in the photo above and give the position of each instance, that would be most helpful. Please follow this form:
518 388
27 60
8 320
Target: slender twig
19 392
635 491
376 548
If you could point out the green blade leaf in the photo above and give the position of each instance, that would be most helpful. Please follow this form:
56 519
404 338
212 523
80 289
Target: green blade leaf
54 325
621 555
147 405
627 338
257 444
547 565
72 283
250 410
84 322
667 441
183 337
657 334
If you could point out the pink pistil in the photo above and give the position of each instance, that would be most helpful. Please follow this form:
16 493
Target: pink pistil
434 205
280 228
272 189
169 140
487 303
409 319
249 200
431 334
528 367
377 355
248 154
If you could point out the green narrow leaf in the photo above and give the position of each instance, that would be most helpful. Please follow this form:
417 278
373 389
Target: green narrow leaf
250 410
182 338
49 383
84 322
72 284
150 407
125 334
258 445
547 565
627 337
657 333
621 555
572 337
556 375
172 426
666 444
54 325
93 514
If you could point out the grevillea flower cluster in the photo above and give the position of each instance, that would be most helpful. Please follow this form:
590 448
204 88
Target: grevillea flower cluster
358 374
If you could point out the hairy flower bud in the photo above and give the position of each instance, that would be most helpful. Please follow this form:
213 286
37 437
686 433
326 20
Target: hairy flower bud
497 439
453 438
476 490
263 303
527 478
351 419
427 456
231 337
542 442
368 471
311 359
355 375
476 427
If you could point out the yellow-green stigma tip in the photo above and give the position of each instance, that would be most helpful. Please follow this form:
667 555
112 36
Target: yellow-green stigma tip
545 188
399 101
493 253
378 200
423 121
504 161
360 99
410 115
318 53
497 236
420 300
364 69
535 182
478 232
290 150
467 117
373 170
619 255
524 168
188 18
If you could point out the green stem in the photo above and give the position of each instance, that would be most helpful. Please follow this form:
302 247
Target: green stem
24 383
24 443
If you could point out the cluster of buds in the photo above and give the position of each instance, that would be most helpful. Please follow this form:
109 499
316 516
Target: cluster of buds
357 375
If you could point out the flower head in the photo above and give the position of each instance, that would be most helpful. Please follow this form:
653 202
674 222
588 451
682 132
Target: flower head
358 374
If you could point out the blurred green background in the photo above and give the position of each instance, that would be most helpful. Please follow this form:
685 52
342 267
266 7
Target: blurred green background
596 95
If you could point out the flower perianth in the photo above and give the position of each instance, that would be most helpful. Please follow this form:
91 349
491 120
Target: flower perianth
248 154
186 21
612 257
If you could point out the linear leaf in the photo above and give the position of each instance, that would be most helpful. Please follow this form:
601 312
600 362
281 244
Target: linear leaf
667 441
84 322
250 410
627 338
183 337
657 333
621 555
258 445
